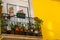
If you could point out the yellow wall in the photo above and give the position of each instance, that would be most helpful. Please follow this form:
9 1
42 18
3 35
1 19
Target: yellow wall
49 12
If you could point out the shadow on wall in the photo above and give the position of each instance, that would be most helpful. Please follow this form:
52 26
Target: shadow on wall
56 0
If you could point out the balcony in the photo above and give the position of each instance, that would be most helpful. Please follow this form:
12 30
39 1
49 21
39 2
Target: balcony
19 37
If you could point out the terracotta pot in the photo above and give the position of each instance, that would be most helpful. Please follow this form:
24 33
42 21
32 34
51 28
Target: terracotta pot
8 31
16 29
12 31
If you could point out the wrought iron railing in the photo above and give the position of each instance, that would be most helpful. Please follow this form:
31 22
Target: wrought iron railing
15 25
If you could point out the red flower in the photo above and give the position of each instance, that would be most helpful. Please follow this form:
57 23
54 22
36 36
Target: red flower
20 11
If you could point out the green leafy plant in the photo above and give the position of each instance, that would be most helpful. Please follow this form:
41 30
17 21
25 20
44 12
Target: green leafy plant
1 1
12 26
37 23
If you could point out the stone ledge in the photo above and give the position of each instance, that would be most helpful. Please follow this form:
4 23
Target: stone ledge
21 37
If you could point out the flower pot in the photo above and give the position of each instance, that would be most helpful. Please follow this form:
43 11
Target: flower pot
30 33
36 33
8 31
4 31
16 29
12 31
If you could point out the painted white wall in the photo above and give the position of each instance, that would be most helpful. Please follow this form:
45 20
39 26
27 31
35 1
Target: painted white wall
14 2
18 2
24 0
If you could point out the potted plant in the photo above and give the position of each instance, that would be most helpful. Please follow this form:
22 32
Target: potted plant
20 14
22 30
16 29
12 28
30 31
1 1
37 26
4 26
